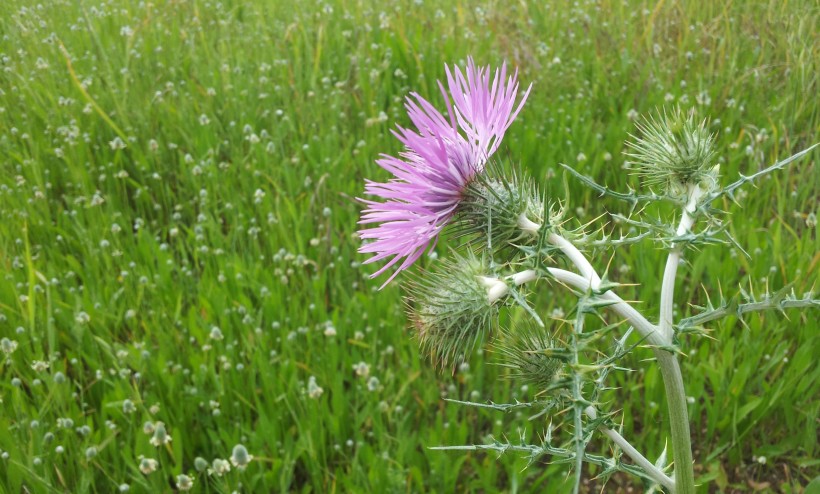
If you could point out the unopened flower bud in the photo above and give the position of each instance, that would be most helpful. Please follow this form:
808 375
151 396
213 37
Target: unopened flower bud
530 355
454 307
675 153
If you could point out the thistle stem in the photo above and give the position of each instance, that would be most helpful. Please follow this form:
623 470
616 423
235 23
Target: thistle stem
524 277
670 371
679 420
580 440
575 256
656 473
619 306
670 272
496 288
670 367
655 335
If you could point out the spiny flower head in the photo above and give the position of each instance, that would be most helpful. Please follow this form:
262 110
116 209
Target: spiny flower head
529 352
674 152
454 307
441 157
503 210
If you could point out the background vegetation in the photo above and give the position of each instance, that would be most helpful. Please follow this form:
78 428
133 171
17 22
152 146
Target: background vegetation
178 240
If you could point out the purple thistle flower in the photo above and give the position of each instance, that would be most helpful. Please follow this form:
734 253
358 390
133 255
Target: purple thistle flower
439 160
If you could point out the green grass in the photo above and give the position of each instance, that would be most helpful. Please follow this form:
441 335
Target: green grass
248 128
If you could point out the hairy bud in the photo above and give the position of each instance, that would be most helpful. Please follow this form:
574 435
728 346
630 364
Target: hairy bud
674 153
531 356
454 307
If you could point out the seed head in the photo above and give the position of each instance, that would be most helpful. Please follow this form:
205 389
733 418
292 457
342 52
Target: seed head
313 389
148 465
8 346
240 458
219 467
184 482
200 464
161 436
148 427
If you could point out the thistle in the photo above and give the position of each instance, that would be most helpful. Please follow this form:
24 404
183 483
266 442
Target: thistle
443 180
530 354
454 307
502 212
441 158
674 153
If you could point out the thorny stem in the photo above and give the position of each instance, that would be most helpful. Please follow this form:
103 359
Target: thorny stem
670 368
497 288
607 464
670 371
656 473
575 256
619 306
669 274
578 401
668 362
776 301
679 420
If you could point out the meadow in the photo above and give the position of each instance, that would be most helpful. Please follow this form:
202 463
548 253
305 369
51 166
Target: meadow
181 292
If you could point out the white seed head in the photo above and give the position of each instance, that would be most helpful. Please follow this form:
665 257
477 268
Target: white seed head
240 458
219 467
148 465
184 482
161 436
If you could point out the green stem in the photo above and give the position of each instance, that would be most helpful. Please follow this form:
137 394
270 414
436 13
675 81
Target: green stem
578 404
679 420
666 320
651 470
670 368
660 336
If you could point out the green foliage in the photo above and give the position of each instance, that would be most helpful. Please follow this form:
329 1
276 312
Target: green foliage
171 167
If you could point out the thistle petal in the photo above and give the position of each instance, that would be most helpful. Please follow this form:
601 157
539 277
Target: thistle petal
441 158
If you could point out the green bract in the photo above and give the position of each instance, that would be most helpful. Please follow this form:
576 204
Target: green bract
502 210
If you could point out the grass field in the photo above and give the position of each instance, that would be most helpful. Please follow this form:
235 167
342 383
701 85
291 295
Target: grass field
177 238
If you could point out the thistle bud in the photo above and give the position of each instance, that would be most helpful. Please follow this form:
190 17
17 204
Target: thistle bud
674 153
531 356
454 307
